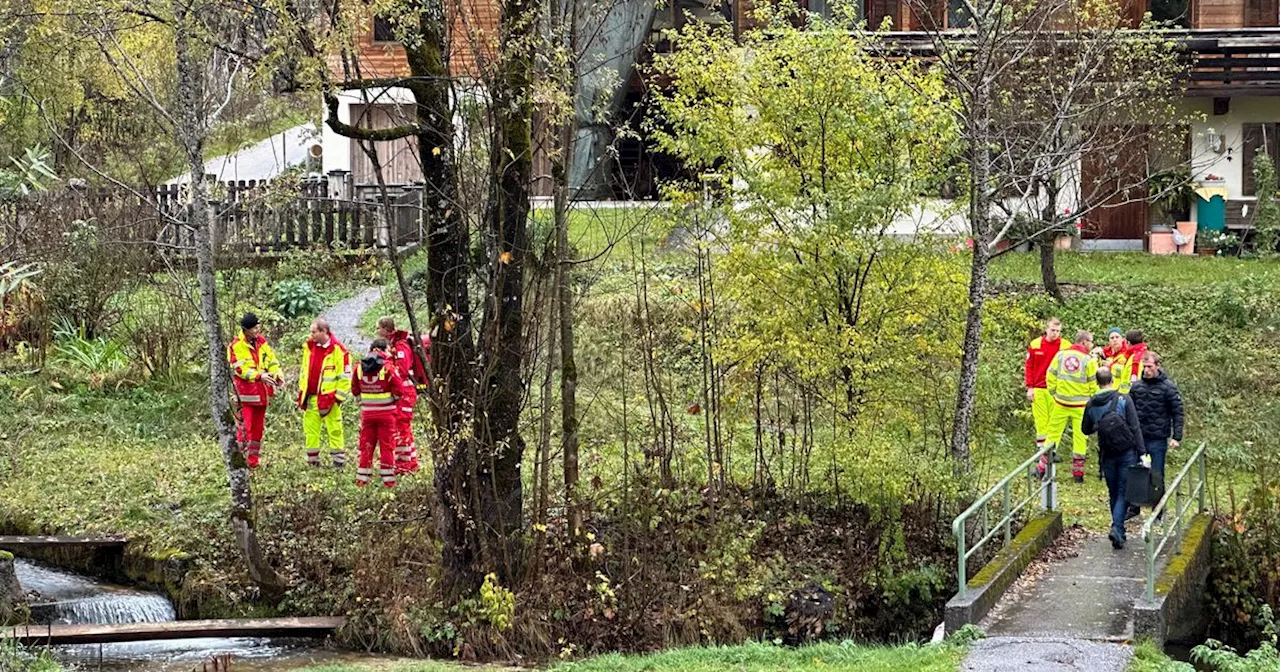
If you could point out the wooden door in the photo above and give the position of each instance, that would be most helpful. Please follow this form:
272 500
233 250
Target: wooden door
399 158
1112 189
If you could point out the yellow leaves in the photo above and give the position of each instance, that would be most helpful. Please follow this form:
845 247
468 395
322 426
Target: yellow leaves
435 151
505 257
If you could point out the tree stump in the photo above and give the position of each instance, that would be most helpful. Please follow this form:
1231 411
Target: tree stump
12 603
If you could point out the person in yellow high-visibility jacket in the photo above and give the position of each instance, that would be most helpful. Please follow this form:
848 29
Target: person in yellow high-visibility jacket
256 375
1072 381
323 384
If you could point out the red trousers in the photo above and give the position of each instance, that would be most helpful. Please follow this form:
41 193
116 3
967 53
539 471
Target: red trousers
249 434
377 429
406 451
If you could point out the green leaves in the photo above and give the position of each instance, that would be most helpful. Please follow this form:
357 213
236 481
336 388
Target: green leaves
297 298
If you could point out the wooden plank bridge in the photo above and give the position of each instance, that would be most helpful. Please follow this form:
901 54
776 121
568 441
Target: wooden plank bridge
49 635
20 543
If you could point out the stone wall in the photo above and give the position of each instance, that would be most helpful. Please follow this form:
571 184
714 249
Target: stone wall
12 604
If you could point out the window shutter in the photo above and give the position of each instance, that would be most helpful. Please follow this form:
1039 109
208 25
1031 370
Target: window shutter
877 10
1254 137
1261 13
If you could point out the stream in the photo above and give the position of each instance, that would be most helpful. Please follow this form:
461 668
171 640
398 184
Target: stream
60 597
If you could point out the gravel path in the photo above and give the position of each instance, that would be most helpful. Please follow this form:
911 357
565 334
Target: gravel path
1034 654
344 319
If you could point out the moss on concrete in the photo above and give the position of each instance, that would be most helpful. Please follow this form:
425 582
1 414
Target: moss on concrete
1025 538
1179 564
5 555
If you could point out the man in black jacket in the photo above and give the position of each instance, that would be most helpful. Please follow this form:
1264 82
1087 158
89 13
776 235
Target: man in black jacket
1159 405
1112 416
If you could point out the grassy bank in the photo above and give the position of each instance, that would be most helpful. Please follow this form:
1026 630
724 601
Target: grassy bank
138 459
745 658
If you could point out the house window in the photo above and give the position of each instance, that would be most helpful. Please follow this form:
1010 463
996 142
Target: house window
1257 136
1261 13
958 14
382 30
1174 12
826 8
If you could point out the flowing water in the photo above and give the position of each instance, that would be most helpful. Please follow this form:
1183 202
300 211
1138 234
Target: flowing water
63 598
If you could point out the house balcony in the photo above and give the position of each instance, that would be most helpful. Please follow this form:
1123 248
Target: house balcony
1223 63
1230 63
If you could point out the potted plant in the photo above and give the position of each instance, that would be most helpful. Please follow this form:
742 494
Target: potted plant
1221 243
1172 194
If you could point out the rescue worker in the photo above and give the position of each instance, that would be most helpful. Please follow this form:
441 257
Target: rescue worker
323 384
1131 371
1113 351
255 375
1071 379
379 387
1040 354
402 354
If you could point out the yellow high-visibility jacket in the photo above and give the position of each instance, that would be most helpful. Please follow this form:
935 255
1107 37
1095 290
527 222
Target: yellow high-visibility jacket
334 371
248 362
1072 377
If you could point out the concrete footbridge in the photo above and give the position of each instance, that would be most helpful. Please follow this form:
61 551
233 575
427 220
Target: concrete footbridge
1050 599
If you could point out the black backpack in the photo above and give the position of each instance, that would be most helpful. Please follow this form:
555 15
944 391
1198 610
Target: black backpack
1114 434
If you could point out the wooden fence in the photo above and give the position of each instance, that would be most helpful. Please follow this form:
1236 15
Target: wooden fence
250 218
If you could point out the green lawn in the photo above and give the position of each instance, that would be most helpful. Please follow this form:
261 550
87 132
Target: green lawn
1135 268
744 658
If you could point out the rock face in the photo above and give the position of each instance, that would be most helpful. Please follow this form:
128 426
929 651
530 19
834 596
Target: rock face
11 600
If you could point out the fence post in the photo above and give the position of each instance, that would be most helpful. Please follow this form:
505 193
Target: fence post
1008 524
1204 486
962 574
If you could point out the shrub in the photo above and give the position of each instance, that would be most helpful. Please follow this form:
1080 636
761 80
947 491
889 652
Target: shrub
1218 656
84 270
297 298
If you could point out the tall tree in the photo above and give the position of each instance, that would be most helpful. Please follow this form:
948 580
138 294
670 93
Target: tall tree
1044 90
477 387
210 44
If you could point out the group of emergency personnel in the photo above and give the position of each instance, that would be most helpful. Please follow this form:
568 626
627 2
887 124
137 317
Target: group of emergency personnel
1118 391
385 383
1061 378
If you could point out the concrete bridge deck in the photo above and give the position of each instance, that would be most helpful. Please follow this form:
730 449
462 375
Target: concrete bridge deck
38 635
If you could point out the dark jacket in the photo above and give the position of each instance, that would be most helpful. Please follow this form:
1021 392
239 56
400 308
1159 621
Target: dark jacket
1159 407
1093 414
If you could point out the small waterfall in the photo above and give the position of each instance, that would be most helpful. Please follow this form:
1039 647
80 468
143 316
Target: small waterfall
67 599
62 598
111 608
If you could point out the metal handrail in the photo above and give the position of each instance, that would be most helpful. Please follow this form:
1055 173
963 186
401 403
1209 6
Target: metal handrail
1172 528
1046 488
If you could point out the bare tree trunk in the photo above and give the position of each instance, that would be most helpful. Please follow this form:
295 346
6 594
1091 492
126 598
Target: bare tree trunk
1048 270
500 447
979 215
564 294
192 128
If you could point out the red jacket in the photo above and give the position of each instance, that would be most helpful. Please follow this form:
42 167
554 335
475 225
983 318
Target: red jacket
1133 365
1040 355
378 393
402 351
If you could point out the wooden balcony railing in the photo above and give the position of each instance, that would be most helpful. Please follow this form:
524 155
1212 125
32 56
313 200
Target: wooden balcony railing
1221 62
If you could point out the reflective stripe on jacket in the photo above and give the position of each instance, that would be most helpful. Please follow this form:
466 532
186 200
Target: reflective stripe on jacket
249 361
335 375
379 393
1072 377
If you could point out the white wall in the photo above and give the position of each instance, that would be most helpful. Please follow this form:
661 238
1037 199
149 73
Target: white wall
1230 163
337 149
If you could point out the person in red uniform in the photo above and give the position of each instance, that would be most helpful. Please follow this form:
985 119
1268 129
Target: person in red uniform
255 376
377 384
1040 354
404 357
